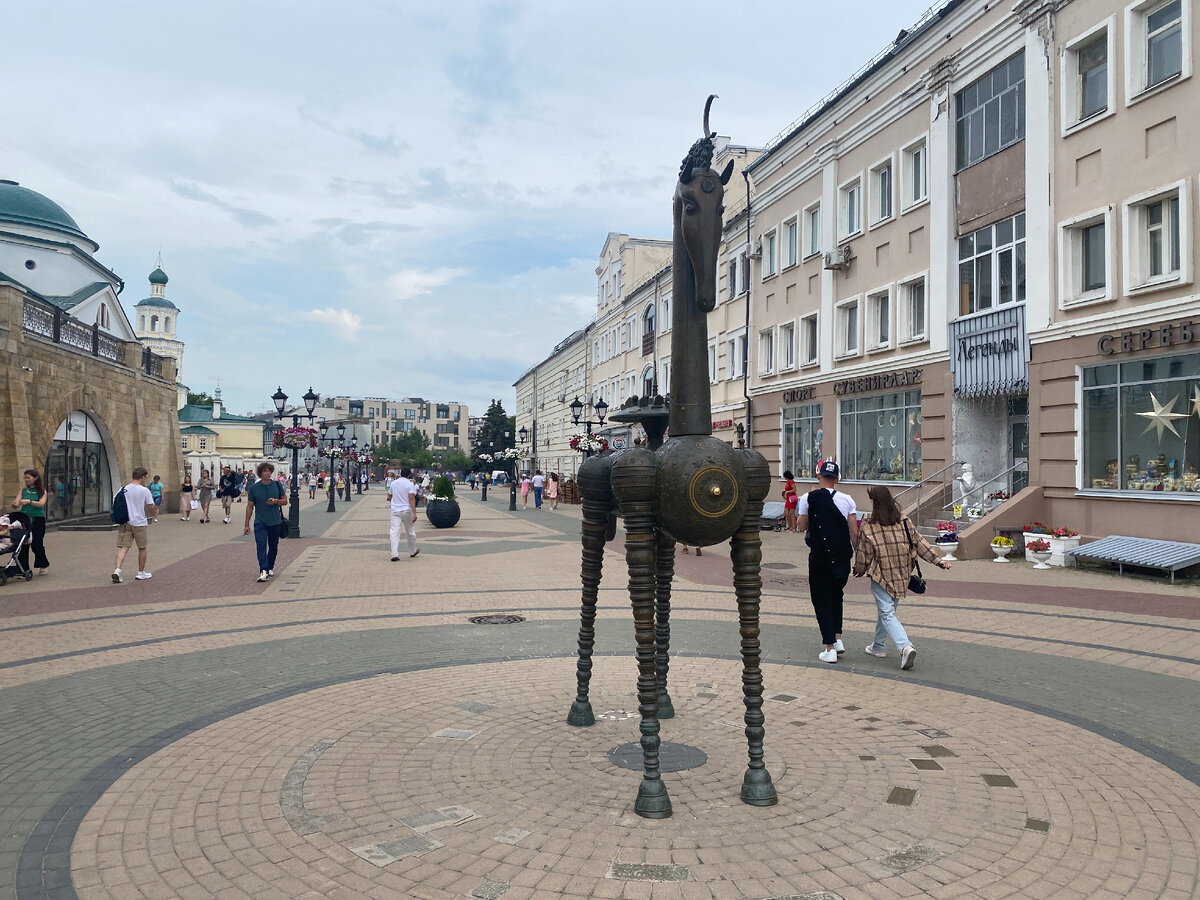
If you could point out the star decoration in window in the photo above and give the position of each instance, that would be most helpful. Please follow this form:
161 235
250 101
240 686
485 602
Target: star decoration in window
1196 401
1160 417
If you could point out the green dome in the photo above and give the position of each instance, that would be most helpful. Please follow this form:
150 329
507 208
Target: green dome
158 276
156 301
22 206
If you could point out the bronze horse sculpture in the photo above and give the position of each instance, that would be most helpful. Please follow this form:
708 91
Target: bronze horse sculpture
690 488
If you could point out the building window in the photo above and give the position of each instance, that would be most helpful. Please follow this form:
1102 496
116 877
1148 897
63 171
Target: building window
849 326
881 192
733 278
648 382
744 260
184 443
1139 428
665 387
881 437
791 242
879 321
913 294
736 352
802 437
712 362
766 351
787 346
1092 60
203 443
648 321
850 209
990 113
1084 258
991 266
812 230
915 172
1156 235
809 346
769 249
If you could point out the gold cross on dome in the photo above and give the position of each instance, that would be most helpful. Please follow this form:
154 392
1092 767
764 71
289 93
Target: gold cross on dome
1161 416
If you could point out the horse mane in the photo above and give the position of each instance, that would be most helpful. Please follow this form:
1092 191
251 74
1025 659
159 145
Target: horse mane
700 156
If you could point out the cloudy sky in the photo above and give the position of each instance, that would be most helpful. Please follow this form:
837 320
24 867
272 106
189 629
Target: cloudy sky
384 198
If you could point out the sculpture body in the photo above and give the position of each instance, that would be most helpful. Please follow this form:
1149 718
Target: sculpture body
693 488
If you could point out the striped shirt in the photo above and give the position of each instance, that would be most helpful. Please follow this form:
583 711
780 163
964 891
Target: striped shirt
884 554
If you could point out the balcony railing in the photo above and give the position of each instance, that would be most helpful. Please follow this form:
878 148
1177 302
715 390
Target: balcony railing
647 344
57 325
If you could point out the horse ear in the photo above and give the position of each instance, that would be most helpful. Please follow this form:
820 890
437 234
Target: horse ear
725 176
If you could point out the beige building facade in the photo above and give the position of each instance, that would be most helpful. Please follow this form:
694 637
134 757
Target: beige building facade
543 405
445 424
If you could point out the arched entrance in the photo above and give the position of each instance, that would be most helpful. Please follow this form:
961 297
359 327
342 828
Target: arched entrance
78 476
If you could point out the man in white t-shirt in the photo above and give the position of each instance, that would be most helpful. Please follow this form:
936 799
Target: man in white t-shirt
137 499
539 484
402 494
828 560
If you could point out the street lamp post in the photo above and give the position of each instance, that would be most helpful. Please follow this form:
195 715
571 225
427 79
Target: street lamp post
347 459
310 403
577 410
329 482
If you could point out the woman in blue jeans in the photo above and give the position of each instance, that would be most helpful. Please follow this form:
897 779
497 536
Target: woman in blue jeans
887 543
265 499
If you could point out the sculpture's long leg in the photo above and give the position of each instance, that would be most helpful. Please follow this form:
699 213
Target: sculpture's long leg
746 553
633 485
594 480
662 622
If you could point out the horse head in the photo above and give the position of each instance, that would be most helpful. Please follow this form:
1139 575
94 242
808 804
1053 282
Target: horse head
698 208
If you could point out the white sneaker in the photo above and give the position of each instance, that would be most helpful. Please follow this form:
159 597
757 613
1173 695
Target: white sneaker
871 651
837 645
116 576
142 576
226 520
829 656
270 573
262 576
908 656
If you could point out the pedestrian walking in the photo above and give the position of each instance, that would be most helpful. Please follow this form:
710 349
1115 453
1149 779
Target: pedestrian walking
186 492
526 484
137 500
265 500
552 490
341 486
312 485
32 501
888 543
790 499
206 487
828 518
228 491
402 495
539 486
156 492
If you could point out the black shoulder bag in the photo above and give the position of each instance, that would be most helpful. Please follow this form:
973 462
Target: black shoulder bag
916 582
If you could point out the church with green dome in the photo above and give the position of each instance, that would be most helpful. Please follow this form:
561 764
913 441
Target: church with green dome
87 399
156 321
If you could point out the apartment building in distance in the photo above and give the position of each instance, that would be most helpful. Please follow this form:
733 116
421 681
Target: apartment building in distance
994 265
445 424
544 395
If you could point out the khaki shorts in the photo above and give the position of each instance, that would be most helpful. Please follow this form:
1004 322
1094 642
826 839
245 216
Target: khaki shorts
128 535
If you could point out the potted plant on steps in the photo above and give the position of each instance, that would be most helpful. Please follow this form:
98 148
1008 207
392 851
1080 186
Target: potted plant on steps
442 509
1002 546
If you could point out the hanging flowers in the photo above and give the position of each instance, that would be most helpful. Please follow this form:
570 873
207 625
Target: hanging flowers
296 438
588 443
334 452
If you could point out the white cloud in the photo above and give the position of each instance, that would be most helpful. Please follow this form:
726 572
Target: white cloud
345 322
413 283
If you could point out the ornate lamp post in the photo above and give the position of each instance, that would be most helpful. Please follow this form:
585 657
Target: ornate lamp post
577 410
351 457
365 459
310 403
329 483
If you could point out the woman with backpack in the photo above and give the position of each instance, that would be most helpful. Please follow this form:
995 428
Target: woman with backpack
888 543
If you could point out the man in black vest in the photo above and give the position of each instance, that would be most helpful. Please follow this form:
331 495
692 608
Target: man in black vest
828 518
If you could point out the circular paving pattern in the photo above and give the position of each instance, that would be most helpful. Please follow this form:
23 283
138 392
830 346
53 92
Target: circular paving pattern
468 782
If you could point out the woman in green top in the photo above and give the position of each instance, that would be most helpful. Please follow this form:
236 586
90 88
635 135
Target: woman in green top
32 502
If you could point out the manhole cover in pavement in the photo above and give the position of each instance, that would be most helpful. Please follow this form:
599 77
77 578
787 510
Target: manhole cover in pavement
779 565
495 620
672 757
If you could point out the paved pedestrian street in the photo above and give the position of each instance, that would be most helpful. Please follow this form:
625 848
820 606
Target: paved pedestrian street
346 731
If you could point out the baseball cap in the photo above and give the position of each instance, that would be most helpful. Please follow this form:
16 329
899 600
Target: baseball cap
829 469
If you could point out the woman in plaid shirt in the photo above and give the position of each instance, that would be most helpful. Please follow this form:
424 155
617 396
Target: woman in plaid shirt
887 543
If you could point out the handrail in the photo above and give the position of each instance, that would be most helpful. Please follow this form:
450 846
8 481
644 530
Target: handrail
1006 475
916 487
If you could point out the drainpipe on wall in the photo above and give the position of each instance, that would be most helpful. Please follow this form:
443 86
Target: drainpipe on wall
746 364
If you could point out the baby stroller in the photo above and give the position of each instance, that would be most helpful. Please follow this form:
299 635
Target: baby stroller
18 538
772 516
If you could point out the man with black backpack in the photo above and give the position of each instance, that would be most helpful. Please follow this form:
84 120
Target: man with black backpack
828 518
129 514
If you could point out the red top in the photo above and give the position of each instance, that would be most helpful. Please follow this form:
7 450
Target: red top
790 497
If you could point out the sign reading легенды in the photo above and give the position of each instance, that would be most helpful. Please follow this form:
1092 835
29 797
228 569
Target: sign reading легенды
1169 335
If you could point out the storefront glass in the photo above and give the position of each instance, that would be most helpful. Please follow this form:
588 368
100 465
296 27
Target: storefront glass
77 475
1141 425
802 436
881 437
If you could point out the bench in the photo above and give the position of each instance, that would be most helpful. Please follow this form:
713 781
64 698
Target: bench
1146 553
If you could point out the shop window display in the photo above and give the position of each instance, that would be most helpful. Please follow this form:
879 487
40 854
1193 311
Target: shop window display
1141 425
881 437
77 473
802 437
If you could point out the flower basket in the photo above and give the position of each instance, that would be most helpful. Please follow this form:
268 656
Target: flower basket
332 452
588 443
296 438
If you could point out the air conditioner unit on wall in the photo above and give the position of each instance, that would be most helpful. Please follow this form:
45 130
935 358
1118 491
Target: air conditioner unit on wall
756 253
838 258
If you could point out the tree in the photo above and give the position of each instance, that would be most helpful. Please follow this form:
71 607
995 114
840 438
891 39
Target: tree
410 448
497 432
199 398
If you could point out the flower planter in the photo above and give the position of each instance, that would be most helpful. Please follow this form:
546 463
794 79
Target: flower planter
443 513
948 549
1039 558
1001 553
1058 551
1028 536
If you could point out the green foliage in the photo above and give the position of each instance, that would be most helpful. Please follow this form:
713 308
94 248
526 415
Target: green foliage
498 431
200 398
443 487
453 459
409 449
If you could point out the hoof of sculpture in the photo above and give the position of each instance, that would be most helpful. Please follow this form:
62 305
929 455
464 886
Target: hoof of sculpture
652 801
581 714
758 789
665 708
